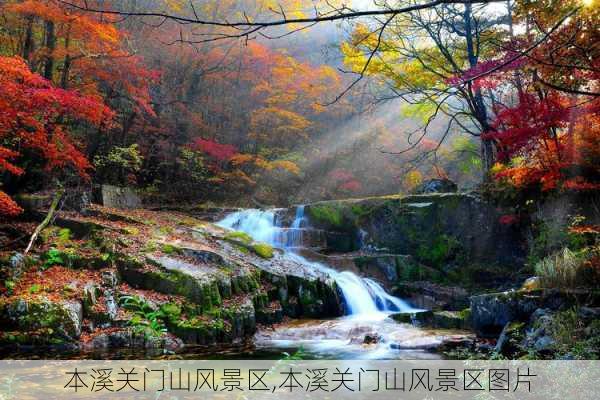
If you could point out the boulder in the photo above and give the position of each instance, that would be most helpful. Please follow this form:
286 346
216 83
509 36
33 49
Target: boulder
436 229
61 320
118 197
420 318
432 296
436 319
491 312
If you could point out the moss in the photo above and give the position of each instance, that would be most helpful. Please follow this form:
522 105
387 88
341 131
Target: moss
465 314
241 237
263 250
327 214
165 230
440 250
189 222
168 248
574 336
130 230
171 312
34 315
361 210
150 247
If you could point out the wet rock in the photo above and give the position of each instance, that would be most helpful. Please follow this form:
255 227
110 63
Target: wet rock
172 343
456 342
544 344
432 296
436 319
436 186
589 313
269 314
77 200
372 338
415 318
491 312
451 319
420 346
90 296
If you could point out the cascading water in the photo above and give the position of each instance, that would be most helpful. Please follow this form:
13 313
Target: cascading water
363 296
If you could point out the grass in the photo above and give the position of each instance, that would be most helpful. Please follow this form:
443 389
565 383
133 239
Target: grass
569 269
574 337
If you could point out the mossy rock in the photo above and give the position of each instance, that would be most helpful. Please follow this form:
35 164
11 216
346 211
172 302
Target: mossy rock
72 258
417 318
59 319
239 237
263 250
451 320
168 248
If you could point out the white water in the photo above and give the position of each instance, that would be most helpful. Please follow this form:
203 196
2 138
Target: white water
363 296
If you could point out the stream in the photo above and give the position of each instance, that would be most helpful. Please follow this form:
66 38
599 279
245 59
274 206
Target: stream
365 332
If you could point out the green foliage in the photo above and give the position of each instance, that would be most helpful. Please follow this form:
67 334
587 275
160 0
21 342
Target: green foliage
466 155
10 286
131 230
53 257
119 165
299 354
263 250
192 162
146 320
573 336
35 288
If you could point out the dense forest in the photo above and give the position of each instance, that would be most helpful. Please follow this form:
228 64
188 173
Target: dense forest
187 111
177 171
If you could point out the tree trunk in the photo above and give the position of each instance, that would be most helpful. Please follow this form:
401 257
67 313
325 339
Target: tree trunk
50 47
478 102
64 79
28 44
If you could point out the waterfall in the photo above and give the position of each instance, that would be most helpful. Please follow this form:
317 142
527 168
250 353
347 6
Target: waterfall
300 220
363 296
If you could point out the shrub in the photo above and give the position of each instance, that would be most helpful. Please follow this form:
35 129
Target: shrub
568 269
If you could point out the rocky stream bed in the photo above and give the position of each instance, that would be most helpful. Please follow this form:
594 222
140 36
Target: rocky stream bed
108 283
